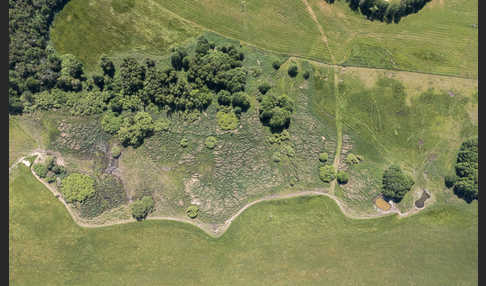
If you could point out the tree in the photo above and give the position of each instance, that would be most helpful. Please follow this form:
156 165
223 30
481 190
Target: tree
192 211
276 65
132 76
71 66
77 187
450 180
176 59
141 208
210 142
395 183
293 70
241 99
342 177
323 157
115 151
184 142
134 130
306 75
111 122
107 66
327 173
264 87
466 183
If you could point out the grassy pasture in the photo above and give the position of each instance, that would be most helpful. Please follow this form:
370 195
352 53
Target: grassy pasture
440 38
297 241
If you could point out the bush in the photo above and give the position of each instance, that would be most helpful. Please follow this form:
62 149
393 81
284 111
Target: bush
210 142
327 173
450 180
293 70
395 183
50 162
161 124
51 178
192 211
351 159
276 65
323 157
142 207
241 100
276 157
227 119
40 170
77 187
59 170
306 75
115 151
264 87
342 177
184 142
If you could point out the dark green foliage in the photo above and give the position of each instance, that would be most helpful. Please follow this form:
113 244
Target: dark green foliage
59 170
327 173
111 122
276 65
241 99
264 87
275 111
293 70
176 59
29 56
51 178
192 211
142 207
450 180
132 76
395 183
107 66
323 157
466 183
40 170
384 10
224 97
306 74
342 177
134 129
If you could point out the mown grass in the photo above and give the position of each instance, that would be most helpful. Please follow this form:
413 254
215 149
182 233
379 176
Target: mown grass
441 38
289 242
88 29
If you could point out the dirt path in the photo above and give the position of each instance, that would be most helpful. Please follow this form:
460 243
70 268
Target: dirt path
211 230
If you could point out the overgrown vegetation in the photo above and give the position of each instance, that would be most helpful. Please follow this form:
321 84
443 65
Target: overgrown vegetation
327 173
383 10
77 187
142 207
465 181
396 183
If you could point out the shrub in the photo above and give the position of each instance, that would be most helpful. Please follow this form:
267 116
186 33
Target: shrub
241 99
142 207
161 124
351 159
323 157
450 180
51 178
342 177
210 142
59 170
276 157
327 173
293 70
287 150
306 75
192 211
77 187
227 120
184 142
50 162
264 87
395 183
115 151
276 65
40 170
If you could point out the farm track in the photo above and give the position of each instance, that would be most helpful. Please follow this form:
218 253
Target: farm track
212 230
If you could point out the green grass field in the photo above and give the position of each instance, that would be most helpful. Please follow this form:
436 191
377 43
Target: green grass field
289 242
439 39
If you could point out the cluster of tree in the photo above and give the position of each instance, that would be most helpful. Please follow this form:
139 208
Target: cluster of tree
275 111
141 208
49 170
465 181
32 66
395 183
383 10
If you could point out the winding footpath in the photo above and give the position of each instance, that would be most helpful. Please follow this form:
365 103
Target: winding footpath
212 230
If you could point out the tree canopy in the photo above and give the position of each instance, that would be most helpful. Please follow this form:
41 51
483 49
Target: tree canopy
77 187
395 183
